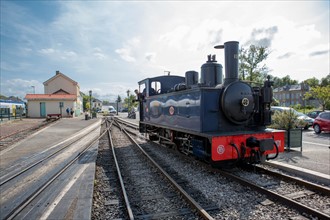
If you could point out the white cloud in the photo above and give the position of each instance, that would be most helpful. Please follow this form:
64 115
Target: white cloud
13 66
98 53
124 42
57 53
128 50
67 55
100 56
47 51
110 91
125 54
20 87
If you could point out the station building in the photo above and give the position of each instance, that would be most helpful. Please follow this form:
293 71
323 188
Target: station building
97 104
60 93
290 95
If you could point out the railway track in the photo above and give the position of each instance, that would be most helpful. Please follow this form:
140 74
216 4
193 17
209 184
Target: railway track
108 201
149 191
301 195
309 199
29 193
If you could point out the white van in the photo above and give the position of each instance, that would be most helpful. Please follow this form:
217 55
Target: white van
112 110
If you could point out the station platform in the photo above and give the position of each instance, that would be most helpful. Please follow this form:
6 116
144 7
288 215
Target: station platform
311 163
76 196
48 136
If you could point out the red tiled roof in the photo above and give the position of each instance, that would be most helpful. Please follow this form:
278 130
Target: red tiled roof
50 97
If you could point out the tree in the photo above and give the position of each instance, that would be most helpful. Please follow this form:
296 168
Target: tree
118 99
104 102
279 82
86 101
312 82
87 106
251 67
3 97
130 102
286 80
325 81
322 94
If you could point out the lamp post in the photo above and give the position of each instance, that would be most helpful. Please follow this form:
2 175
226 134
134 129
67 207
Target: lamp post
90 103
117 106
128 100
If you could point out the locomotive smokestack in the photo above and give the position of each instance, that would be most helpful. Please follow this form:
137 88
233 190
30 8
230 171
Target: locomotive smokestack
231 61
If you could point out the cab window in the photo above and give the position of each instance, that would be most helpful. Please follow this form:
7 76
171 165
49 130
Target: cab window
142 89
155 88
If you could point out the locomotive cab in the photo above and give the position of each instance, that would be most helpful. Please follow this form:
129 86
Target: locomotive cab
159 85
154 86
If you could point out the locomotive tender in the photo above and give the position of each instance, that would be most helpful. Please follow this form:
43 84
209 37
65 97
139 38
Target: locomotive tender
216 120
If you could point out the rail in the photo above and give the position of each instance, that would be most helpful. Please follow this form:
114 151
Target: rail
285 200
188 198
122 185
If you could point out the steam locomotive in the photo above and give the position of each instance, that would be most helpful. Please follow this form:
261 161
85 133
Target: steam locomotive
219 121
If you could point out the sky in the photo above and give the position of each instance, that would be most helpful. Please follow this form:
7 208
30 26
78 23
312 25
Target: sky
108 46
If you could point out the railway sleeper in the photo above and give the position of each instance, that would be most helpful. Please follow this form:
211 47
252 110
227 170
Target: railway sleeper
180 212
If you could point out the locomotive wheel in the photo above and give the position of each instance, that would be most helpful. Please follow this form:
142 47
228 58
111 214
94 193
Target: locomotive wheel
153 137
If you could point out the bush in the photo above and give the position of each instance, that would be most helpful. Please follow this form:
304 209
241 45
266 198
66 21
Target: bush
286 120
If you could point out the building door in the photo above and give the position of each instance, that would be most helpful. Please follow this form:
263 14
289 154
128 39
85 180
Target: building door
42 109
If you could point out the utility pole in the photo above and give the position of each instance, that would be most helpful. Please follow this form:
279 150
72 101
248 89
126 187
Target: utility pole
128 100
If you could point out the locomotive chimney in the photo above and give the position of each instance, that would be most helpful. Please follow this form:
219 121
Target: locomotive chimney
231 61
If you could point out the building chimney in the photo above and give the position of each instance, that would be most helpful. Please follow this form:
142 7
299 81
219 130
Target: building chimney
57 72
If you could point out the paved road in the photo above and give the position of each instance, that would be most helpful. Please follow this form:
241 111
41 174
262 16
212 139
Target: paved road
315 154
309 137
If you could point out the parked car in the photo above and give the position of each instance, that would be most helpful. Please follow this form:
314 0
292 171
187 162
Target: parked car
322 122
124 110
314 114
304 121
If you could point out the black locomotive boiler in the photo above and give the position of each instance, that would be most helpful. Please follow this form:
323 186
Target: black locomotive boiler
220 121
